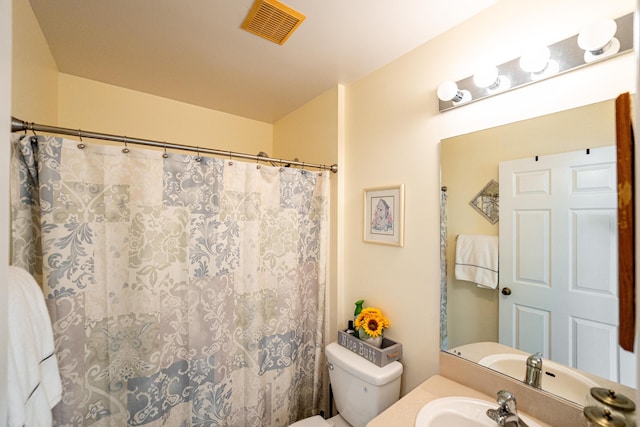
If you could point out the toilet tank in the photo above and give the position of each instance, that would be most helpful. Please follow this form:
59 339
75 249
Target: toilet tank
361 389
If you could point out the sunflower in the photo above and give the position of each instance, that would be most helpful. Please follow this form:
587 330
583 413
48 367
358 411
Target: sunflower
372 321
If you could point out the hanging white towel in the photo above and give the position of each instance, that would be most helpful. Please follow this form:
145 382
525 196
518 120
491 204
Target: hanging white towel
34 386
477 259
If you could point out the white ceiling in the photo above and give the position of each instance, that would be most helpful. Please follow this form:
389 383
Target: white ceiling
194 51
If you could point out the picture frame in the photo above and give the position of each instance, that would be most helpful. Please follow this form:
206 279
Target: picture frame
384 215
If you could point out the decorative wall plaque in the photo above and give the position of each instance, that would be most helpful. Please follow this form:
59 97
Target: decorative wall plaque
487 202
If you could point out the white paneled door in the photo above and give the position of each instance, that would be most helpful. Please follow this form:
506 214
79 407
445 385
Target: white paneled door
558 259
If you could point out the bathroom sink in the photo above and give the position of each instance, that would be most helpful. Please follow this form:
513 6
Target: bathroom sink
558 379
460 411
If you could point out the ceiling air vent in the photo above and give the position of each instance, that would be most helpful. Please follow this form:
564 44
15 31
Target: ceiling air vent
272 20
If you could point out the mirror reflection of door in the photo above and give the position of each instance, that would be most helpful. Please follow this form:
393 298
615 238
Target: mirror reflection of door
558 258
468 162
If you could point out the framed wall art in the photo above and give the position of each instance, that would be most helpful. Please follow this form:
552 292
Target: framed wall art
384 215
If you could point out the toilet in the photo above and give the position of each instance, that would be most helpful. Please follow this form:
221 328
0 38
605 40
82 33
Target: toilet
361 389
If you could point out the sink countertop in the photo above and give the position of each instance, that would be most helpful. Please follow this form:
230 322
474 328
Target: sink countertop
404 412
477 351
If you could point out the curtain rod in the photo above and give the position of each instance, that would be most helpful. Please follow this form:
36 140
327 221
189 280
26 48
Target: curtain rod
18 125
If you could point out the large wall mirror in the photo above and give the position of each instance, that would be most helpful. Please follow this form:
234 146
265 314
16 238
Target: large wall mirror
469 163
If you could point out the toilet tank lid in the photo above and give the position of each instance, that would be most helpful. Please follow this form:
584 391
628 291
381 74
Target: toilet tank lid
360 367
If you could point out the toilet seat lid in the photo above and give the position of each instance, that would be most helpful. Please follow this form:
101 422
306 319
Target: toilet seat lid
316 421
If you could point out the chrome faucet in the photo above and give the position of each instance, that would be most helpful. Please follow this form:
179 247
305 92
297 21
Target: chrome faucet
533 375
507 413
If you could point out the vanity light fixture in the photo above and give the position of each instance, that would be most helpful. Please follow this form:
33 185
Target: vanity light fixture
448 91
489 78
598 41
537 61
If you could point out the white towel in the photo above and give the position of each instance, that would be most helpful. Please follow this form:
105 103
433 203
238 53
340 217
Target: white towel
34 386
477 259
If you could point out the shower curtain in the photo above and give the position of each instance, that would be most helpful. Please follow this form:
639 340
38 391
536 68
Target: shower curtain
183 290
444 334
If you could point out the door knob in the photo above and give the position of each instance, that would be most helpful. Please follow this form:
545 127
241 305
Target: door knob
506 291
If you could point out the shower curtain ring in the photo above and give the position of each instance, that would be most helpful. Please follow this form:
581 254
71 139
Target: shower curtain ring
125 150
230 156
198 158
165 155
303 171
81 145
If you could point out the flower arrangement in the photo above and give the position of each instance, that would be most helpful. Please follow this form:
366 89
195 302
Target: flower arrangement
371 321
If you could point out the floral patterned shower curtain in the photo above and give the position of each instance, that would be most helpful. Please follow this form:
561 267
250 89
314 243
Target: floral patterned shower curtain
444 334
183 290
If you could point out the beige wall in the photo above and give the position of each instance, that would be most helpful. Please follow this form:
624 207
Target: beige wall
315 131
100 107
35 75
469 162
312 131
43 95
393 135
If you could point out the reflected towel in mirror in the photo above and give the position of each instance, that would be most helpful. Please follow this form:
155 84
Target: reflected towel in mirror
477 259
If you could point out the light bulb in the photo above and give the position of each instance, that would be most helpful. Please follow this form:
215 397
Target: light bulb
490 78
448 91
597 39
486 77
535 59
